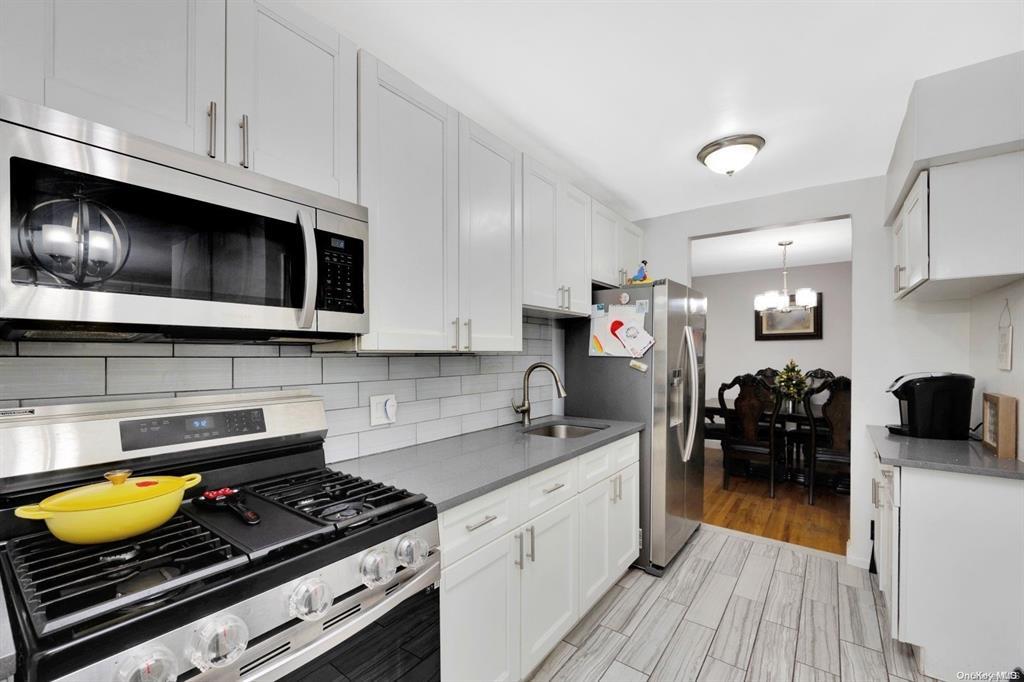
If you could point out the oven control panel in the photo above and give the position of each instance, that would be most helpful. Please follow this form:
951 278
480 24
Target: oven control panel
138 434
340 263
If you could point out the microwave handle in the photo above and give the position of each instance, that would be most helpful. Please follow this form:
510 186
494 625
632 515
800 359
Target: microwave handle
312 276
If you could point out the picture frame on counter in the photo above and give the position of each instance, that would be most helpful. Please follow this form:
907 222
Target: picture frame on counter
999 424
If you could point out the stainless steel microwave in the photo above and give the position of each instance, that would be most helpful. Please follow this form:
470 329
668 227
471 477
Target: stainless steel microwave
108 236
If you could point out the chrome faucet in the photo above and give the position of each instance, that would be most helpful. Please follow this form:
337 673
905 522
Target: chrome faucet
524 407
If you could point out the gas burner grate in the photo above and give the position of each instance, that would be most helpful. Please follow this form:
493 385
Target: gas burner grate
64 585
341 499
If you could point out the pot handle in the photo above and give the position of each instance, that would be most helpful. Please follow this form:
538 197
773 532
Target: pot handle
32 511
191 480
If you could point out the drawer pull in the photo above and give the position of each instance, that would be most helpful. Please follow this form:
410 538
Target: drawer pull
553 488
487 519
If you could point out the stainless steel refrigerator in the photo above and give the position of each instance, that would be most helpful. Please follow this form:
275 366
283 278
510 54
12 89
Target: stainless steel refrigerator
665 391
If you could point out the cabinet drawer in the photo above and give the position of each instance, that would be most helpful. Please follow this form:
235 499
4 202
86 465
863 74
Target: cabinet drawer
472 525
599 464
547 489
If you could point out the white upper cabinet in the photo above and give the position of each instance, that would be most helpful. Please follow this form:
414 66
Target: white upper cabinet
490 241
604 261
541 285
155 69
629 248
910 235
291 106
408 166
572 246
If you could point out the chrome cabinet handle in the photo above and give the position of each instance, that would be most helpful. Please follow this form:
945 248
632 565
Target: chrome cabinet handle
520 562
619 485
895 279
456 323
244 125
568 298
874 493
532 554
487 519
553 488
469 334
211 120
561 296
614 490
312 276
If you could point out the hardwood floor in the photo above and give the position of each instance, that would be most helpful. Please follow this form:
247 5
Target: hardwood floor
746 507
737 607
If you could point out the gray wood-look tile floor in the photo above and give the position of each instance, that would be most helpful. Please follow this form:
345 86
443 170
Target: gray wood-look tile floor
736 607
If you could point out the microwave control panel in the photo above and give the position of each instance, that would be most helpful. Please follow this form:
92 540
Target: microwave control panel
341 273
138 434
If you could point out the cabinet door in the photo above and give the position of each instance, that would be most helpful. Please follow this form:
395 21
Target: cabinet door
541 287
624 521
899 257
149 68
408 160
480 613
915 229
291 109
604 262
572 247
550 591
595 568
629 250
490 241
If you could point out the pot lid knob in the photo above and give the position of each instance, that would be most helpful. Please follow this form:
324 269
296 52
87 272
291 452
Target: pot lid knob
118 476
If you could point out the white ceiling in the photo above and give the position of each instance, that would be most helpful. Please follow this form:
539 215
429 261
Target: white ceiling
630 91
813 244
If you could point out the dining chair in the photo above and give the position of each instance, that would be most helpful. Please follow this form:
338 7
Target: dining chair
746 438
798 436
834 444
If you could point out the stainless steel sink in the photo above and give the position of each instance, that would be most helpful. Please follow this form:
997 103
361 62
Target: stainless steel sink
563 430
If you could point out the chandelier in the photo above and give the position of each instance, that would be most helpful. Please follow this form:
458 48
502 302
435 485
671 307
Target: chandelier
776 301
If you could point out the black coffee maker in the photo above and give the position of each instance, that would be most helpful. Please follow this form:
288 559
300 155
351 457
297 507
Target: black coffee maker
933 405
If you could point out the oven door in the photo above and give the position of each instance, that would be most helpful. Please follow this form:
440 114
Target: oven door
97 237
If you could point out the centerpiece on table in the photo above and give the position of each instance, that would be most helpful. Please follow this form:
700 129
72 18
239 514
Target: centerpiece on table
792 384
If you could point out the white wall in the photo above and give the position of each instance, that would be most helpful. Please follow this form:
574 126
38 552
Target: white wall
732 349
888 338
986 310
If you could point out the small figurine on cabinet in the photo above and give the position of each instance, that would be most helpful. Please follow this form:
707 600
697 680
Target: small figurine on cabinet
641 276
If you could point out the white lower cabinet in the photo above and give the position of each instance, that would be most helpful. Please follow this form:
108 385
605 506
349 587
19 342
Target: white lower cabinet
507 601
480 613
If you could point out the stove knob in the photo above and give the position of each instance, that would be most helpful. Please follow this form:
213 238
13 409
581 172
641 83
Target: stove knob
377 568
218 642
148 665
310 599
412 551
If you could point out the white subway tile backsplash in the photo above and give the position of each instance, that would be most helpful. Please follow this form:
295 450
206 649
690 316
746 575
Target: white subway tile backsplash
462 404
510 380
142 375
478 421
8 348
335 396
413 367
340 448
460 365
64 348
404 390
520 363
438 429
418 411
537 347
480 383
494 364
496 399
379 440
50 377
296 351
251 372
340 422
340 370
93 399
440 387
225 350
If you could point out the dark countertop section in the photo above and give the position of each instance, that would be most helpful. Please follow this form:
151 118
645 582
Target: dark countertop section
956 456
458 469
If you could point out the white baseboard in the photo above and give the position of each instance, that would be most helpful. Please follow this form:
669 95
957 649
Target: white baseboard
858 556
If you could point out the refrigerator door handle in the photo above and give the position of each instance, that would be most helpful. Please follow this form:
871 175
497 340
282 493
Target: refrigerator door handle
691 430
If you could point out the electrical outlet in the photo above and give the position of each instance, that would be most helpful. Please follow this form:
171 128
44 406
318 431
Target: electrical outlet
383 409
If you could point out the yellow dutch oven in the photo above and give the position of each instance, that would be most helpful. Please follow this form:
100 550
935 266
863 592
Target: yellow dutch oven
121 508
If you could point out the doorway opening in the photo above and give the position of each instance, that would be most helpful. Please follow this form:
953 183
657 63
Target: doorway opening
775 373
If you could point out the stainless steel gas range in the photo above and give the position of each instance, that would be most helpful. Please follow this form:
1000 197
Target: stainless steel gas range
337 579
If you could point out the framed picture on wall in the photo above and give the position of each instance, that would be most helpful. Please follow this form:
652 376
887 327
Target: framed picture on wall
795 325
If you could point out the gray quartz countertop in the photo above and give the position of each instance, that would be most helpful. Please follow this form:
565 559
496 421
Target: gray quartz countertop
957 456
458 469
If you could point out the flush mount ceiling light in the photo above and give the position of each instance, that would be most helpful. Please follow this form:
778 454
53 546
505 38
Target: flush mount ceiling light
776 301
730 154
